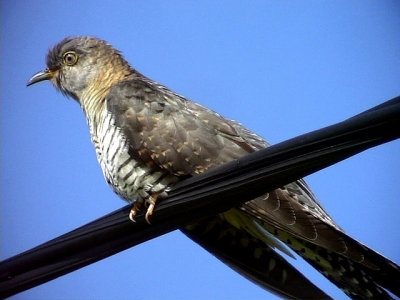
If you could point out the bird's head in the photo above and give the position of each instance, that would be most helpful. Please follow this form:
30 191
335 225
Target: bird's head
77 66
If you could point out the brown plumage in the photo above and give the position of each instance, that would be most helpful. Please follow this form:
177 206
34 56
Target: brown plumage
147 138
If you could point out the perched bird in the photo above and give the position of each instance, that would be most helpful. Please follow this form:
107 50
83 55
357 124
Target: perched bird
147 138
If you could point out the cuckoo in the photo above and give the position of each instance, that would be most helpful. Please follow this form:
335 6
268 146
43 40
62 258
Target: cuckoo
148 137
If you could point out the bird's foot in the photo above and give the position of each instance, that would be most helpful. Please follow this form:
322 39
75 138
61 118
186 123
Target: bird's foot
150 203
135 208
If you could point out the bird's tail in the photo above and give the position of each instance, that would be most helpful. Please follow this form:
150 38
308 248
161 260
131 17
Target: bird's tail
357 280
293 215
252 258
233 239
368 278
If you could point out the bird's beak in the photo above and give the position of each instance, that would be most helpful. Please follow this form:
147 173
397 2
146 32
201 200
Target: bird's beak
40 76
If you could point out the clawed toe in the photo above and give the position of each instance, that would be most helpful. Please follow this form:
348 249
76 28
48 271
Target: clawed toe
135 208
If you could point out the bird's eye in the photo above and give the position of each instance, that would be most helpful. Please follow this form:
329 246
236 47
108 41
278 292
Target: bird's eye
70 58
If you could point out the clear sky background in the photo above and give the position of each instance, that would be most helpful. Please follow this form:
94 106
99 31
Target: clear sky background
282 68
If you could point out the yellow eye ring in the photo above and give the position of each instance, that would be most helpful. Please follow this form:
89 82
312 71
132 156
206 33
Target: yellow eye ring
70 58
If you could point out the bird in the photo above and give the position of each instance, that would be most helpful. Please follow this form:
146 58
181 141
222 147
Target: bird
147 138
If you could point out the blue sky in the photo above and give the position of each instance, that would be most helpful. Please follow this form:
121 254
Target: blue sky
282 68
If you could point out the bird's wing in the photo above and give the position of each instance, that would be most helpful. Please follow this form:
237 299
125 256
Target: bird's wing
185 138
178 137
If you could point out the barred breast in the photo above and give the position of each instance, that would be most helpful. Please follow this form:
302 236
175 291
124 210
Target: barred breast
130 178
